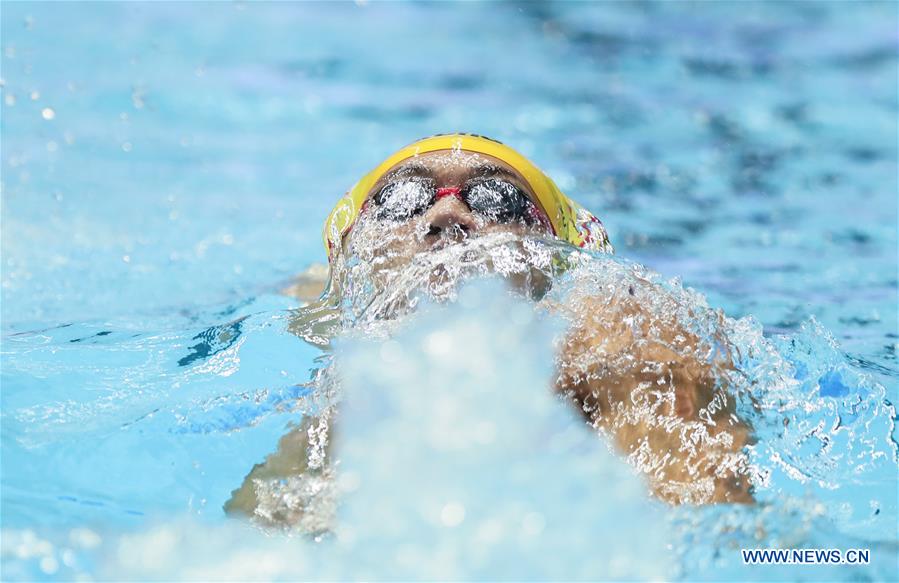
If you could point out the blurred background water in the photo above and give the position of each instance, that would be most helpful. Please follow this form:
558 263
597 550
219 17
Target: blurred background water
166 168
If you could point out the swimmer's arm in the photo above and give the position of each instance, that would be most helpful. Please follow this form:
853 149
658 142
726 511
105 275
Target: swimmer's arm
304 448
641 377
309 285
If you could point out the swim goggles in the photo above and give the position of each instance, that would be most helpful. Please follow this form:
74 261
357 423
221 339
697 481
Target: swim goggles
494 199
568 220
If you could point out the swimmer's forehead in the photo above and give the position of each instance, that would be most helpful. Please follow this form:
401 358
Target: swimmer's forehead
452 167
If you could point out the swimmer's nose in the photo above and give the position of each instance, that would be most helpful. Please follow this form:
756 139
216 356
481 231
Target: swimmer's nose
449 217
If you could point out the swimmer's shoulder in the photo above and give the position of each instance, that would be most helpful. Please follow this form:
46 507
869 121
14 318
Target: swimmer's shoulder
308 285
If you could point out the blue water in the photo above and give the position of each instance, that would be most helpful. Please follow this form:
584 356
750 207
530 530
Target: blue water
166 169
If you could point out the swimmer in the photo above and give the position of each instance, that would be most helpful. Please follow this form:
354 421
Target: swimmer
644 380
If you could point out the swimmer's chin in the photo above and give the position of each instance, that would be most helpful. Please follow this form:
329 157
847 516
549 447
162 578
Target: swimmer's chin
397 281
440 273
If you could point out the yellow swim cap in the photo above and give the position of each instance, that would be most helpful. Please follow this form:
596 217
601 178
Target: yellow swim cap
570 221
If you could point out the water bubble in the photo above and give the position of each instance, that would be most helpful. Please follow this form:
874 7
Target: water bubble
47 113
49 565
391 351
452 514
35 95
84 538
137 97
68 557
9 99
438 344
126 147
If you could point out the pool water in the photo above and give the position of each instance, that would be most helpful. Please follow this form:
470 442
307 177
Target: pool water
165 172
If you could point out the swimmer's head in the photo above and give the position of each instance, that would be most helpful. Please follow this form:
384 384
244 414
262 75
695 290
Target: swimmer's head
443 209
452 187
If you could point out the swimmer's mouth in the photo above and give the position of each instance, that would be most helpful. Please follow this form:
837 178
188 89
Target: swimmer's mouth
437 238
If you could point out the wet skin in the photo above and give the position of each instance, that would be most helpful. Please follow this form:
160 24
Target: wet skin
601 364
388 245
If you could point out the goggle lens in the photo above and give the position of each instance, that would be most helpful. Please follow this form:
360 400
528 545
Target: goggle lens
494 199
497 200
403 199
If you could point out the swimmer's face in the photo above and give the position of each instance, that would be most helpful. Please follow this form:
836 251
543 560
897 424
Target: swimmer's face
440 198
